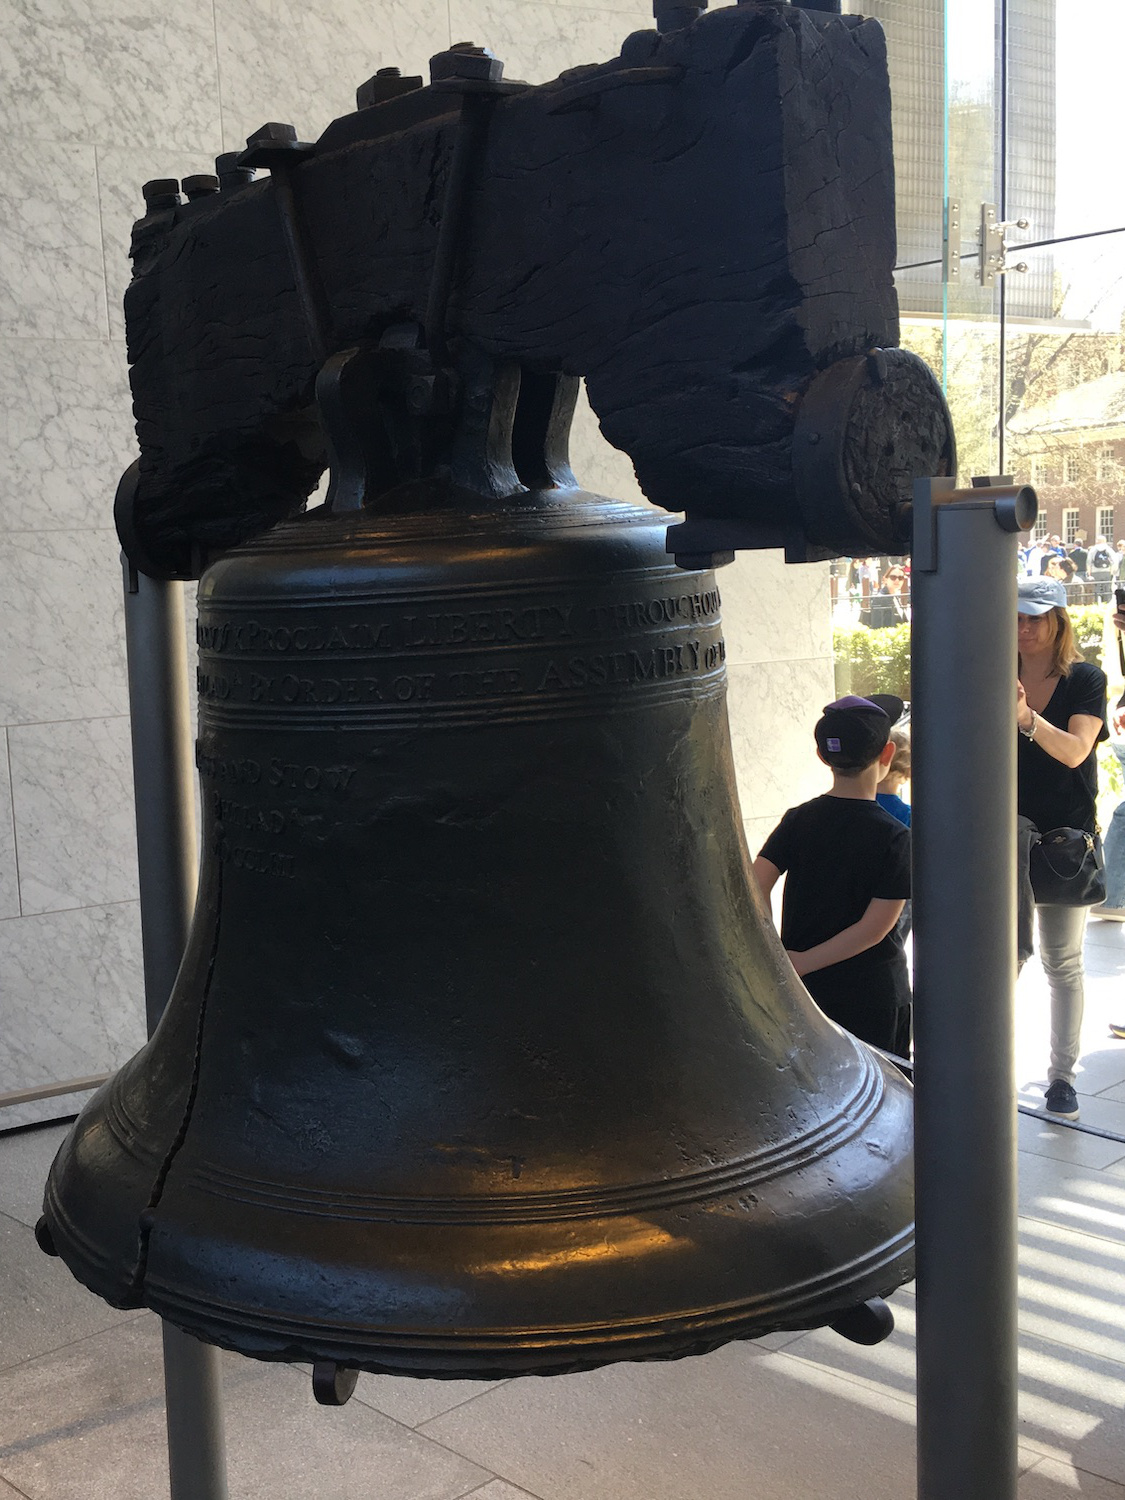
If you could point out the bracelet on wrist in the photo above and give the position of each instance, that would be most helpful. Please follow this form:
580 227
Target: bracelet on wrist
1029 732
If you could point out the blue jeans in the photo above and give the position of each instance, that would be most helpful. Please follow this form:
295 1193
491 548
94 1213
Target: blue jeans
1115 844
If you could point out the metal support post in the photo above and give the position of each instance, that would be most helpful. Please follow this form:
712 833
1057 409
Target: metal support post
963 585
166 852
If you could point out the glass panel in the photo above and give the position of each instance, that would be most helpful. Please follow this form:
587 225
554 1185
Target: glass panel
1078 66
915 48
1065 405
971 326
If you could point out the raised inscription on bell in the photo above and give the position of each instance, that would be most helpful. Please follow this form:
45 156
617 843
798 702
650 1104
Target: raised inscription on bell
415 630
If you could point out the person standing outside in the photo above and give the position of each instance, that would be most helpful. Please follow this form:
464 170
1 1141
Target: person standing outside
1060 714
889 606
1101 567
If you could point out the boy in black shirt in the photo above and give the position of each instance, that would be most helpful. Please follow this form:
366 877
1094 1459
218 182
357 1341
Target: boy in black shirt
848 874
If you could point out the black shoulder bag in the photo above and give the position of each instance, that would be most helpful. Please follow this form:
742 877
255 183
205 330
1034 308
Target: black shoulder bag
1067 868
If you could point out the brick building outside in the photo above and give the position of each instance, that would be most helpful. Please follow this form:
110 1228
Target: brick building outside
1066 429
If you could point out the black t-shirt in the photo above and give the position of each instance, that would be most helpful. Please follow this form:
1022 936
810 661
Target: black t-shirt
840 854
1050 794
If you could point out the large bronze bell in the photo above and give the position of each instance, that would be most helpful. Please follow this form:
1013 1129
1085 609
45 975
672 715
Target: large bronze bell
484 1057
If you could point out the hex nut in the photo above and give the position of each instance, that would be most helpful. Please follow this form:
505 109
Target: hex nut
466 61
201 185
161 193
231 175
273 134
387 83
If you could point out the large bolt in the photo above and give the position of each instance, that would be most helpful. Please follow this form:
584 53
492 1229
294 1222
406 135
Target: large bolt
468 61
202 185
388 83
273 134
160 194
671 16
231 175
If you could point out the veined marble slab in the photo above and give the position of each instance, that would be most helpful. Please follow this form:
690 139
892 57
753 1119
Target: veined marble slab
118 71
775 611
536 42
773 709
72 794
61 624
51 280
598 465
67 433
288 60
9 873
71 996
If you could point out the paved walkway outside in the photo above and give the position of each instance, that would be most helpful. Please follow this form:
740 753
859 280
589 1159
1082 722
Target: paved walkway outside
806 1417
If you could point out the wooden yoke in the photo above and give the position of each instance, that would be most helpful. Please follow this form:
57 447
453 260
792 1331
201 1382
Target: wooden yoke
703 227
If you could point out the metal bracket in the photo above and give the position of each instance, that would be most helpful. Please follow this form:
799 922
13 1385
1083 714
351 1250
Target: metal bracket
276 146
993 249
951 243
1015 506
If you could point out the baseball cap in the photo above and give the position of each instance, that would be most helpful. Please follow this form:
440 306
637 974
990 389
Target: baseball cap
1038 595
851 732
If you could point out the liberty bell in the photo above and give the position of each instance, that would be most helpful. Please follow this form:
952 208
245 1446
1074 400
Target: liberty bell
484 1058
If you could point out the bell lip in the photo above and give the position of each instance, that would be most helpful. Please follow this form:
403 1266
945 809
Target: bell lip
483 1353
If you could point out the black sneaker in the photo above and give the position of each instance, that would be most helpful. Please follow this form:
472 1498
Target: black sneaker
1061 1100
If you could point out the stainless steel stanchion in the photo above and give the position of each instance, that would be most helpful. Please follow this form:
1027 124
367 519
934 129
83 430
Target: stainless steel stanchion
963 587
166 851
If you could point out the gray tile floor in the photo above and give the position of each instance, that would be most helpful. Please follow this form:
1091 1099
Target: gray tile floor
808 1417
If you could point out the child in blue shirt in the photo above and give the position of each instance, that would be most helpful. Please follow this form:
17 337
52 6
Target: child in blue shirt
896 775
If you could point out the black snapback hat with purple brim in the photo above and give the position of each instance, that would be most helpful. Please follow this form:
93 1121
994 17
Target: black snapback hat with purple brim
851 732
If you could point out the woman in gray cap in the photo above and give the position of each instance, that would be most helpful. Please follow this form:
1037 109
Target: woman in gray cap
1060 711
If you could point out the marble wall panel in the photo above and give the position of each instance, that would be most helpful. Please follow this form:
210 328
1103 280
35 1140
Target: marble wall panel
122 171
774 610
9 871
66 433
757 832
39 1112
72 796
773 708
73 991
51 280
289 60
116 71
537 41
598 466
61 625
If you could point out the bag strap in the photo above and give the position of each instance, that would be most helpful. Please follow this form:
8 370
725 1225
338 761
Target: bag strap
1059 874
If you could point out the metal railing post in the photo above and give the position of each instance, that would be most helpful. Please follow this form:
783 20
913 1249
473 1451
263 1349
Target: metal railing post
167 860
964 829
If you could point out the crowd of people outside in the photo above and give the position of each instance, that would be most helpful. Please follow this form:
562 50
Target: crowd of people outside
845 855
1088 572
875 591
